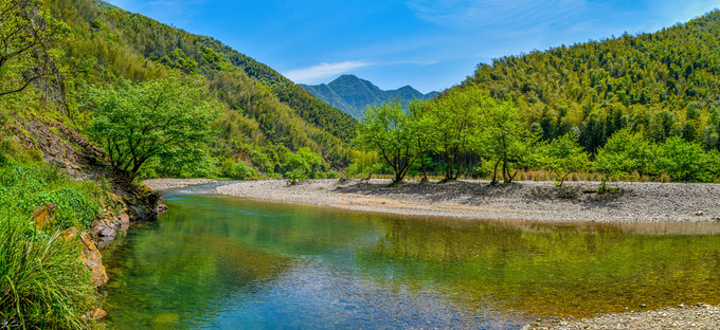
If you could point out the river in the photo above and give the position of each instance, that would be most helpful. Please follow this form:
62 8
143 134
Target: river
231 263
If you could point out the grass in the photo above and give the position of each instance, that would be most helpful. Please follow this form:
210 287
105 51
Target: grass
43 283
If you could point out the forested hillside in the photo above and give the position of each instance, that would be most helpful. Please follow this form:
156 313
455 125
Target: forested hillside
264 117
641 106
353 95
661 84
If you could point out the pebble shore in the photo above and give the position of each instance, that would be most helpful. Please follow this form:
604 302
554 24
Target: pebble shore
538 201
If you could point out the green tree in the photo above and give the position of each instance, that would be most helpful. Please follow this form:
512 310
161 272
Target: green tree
453 118
305 164
422 126
165 120
624 152
503 137
564 155
26 35
682 160
387 128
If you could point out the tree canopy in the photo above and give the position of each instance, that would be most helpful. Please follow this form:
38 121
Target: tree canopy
167 120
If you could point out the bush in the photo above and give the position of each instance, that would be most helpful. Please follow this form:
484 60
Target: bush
681 160
73 208
295 176
236 171
43 284
25 187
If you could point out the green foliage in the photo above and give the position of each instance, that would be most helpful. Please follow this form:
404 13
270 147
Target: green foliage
387 129
659 85
27 33
365 163
164 119
178 60
503 137
624 153
302 165
453 118
261 111
294 176
422 125
43 284
682 160
236 170
24 188
563 155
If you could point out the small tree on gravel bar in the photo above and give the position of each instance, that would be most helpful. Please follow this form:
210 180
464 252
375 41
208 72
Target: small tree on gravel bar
387 128
167 120
564 155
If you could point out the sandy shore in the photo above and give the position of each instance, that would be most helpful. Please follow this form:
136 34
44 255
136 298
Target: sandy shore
540 201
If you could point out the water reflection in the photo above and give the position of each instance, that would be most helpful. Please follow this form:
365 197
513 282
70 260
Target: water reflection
227 263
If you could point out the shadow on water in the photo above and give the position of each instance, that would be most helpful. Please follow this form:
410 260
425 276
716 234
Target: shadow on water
218 262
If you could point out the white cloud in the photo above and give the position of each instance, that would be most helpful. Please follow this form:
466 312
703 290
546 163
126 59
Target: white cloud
494 13
323 71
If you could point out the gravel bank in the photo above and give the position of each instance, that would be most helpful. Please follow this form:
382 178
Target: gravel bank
699 317
165 184
540 201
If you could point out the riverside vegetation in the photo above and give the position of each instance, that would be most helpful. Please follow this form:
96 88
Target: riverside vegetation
80 73
74 75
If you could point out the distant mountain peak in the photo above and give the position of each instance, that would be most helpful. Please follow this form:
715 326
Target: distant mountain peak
353 95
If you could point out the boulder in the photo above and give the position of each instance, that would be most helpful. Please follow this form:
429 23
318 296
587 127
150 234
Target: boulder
44 216
92 259
104 230
70 234
124 221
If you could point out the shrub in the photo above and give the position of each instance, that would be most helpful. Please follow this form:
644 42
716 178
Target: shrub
43 284
295 176
681 160
236 171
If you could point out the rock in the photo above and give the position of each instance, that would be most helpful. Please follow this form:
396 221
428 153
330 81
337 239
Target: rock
96 314
44 216
70 233
161 208
699 213
92 259
124 221
104 230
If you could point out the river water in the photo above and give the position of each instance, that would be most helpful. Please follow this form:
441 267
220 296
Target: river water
231 263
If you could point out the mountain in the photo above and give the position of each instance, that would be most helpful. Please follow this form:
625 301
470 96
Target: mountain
264 116
353 95
662 84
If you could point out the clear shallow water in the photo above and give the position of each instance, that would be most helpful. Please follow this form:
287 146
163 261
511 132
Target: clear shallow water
219 262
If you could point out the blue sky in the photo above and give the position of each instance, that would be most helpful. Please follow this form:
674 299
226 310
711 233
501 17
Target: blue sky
430 45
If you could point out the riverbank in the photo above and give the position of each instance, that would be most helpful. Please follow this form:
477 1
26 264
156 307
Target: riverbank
537 201
699 317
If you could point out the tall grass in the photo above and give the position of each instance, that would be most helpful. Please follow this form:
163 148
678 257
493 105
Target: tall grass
43 284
